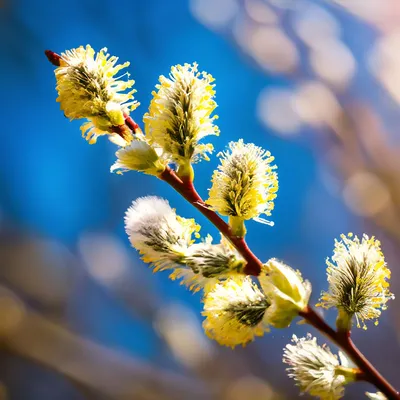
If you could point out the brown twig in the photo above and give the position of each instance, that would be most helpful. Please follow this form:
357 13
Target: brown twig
100 370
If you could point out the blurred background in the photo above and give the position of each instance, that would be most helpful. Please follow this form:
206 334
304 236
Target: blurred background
315 82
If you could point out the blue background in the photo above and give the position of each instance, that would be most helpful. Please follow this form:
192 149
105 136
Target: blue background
54 185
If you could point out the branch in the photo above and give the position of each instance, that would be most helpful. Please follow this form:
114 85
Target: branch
253 264
89 365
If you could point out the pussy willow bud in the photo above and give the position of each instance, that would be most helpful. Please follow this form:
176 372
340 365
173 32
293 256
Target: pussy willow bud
180 115
88 88
139 156
244 185
215 260
164 240
160 236
316 370
235 312
358 281
287 291
206 264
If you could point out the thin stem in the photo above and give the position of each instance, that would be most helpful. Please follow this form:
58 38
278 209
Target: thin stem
54 58
188 191
343 340
130 123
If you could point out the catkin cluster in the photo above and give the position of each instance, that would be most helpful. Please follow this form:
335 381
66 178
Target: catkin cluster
237 307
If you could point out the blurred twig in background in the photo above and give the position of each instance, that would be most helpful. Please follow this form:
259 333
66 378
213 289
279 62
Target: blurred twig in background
85 363
39 279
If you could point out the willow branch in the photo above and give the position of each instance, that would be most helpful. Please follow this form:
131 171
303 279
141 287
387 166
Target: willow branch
254 265
92 366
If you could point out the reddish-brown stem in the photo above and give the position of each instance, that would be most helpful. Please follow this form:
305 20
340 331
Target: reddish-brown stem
54 58
132 124
188 191
343 341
